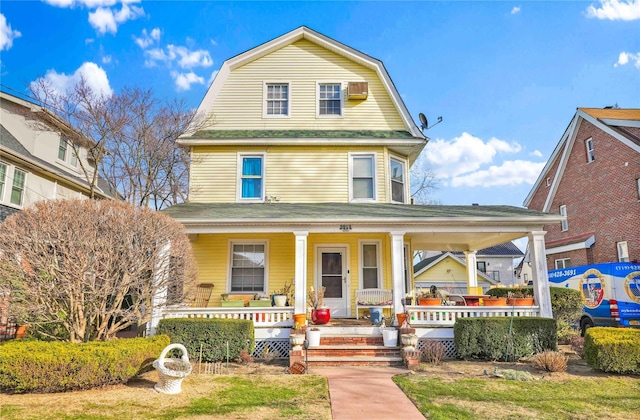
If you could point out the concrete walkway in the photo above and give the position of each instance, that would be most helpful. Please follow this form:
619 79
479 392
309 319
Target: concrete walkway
367 393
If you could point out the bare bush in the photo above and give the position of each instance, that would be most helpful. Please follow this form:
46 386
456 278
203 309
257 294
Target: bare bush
433 352
551 361
577 345
82 270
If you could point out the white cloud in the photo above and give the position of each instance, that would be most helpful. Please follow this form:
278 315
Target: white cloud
106 20
184 57
515 10
536 153
511 172
93 74
91 4
106 59
147 39
625 57
464 154
185 80
7 35
615 10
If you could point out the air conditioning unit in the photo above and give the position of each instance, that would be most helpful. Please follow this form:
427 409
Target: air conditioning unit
358 90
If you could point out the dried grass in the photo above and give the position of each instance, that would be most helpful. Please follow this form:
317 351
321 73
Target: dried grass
551 361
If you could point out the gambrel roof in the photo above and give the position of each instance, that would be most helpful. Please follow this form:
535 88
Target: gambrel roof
613 121
323 41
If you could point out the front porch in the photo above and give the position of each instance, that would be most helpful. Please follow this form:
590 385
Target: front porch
348 340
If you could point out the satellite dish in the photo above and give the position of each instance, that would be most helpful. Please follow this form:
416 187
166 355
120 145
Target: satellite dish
424 124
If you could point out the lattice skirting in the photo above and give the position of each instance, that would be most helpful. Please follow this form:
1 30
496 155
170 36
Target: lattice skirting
269 346
449 345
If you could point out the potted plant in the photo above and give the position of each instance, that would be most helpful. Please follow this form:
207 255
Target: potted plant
389 333
320 314
283 296
313 336
429 297
495 301
519 298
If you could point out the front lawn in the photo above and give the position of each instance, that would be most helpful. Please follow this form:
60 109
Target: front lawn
446 397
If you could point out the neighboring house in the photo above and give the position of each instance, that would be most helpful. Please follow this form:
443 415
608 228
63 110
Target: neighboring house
36 161
448 270
301 174
593 178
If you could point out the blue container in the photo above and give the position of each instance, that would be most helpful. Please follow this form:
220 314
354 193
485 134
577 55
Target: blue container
376 315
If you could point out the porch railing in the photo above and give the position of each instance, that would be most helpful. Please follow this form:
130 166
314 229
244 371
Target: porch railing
261 317
445 316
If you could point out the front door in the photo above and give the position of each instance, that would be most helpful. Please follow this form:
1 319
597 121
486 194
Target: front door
332 274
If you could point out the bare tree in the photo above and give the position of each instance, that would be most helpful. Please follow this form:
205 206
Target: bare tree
84 269
131 138
423 184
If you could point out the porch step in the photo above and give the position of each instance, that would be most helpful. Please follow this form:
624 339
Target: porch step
352 348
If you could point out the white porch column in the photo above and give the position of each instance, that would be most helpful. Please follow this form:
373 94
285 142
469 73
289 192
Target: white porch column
539 272
300 281
397 270
160 280
472 271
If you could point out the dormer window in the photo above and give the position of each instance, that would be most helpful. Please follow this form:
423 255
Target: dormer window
329 99
66 153
276 100
397 181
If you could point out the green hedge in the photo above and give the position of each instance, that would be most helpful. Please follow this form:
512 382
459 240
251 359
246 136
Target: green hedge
566 305
615 350
212 334
489 338
55 366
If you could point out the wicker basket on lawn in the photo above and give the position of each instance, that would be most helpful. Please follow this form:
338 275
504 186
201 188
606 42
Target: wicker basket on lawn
171 371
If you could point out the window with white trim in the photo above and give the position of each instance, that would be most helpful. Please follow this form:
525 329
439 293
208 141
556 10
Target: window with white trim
251 177
276 99
370 265
588 145
623 251
248 267
363 185
3 179
329 99
67 153
564 225
548 181
397 180
17 189
563 263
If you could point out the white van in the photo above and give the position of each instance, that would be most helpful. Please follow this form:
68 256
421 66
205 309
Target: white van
610 293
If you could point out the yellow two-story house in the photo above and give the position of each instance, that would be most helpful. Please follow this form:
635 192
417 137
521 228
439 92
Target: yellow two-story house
300 174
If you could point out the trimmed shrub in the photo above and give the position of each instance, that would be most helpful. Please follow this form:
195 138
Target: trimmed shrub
615 350
41 366
551 361
491 339
212 334
566 305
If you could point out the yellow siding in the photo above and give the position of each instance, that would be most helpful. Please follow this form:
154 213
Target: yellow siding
295 174
239 106
438 273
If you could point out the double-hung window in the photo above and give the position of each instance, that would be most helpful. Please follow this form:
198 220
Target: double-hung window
3 179
363 177
397 181
251 177
563 263
329 99
66 153
276 99
370 264
588 145
17 189
248 267
564 225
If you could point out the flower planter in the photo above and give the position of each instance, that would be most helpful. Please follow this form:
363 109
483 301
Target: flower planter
499 301
313 336
402 318
320 316
171 372
299 320
409 341
280 300
390 337
21 331
429 301
296 340
523 301
233 303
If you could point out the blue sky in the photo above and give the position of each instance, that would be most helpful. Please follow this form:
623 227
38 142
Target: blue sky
505 76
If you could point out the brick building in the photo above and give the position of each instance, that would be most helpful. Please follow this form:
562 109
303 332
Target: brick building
593 177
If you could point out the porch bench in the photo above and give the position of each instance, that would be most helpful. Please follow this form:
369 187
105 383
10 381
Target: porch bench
373 298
